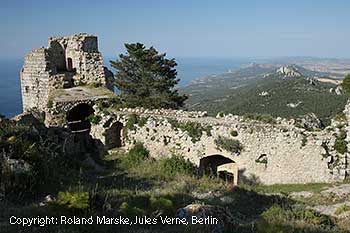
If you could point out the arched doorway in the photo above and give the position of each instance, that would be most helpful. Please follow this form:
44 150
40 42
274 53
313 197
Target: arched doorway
77 118
69 64
113 135
220 166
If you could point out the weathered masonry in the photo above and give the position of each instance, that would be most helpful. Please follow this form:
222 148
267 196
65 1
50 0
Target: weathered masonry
65 80
268 153
67 62
68 82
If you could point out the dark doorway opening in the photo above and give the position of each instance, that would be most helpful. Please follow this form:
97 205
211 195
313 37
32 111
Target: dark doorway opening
77 118
226 176
220 166
69 64
113 135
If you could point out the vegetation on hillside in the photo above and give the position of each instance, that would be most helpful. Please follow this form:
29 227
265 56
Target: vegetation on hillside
29 161
272 95
346 83
146 78
133 184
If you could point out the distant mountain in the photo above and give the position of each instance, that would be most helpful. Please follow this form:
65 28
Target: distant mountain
280 90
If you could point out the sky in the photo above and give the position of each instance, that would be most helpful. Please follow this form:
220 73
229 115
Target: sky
183 28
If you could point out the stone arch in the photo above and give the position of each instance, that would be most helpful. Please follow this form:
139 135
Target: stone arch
113 135
77 118
217 165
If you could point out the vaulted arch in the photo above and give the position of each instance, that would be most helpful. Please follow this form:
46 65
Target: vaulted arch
77 118
218 165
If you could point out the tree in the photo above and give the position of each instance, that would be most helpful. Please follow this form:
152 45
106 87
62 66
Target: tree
147 79
346 83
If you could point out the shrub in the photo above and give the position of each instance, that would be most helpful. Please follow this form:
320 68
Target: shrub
228 144
266 118
279 214
163 169
128 211
75 201
177 165
234 133
340 144
340 117
114 102
40 152
346 83
142 121
135 120
136 155
94 119
341 209
163 204
50 104
132 121
311 216
194 129
274 214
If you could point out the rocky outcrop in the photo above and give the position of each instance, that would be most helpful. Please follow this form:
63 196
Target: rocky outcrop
288 71
310 121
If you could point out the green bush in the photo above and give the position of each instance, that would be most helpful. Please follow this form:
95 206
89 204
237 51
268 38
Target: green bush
234 133
312 216
136 155
94 119
165 169
130 211
341 209
346 83
279 214
142 121
194 129
40 152
74 200
163 204
274 214
132 121
177 165
340 144
340 117
50 104
266 118
231 145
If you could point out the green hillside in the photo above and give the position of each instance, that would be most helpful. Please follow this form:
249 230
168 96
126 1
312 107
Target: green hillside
275 95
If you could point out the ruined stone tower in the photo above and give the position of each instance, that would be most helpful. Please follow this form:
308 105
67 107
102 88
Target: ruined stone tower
66 62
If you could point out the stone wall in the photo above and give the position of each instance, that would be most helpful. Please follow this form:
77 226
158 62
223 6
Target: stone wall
35 76
290 154
66 62
87 61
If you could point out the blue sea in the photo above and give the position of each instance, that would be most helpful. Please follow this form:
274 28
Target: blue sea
188 69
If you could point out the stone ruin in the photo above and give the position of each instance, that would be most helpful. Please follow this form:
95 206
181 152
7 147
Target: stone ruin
272 153
67 81
63 81
67 62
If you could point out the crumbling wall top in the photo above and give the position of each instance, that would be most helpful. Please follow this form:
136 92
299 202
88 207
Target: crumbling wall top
82 41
